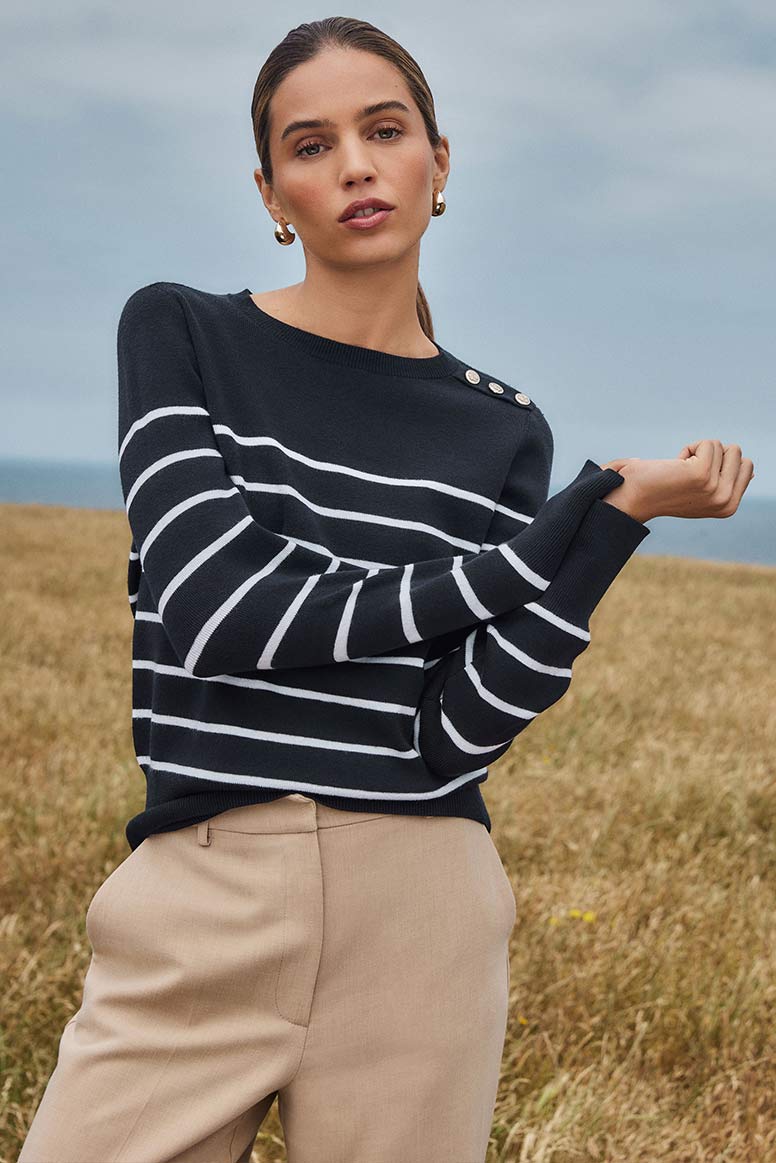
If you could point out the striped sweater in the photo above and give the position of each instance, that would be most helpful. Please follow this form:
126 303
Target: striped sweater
346 576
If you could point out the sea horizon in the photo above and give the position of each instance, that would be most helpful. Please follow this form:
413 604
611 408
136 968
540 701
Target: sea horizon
746 538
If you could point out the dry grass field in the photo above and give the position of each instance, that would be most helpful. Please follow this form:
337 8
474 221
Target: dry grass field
636 819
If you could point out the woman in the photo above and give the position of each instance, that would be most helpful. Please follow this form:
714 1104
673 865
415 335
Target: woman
351 593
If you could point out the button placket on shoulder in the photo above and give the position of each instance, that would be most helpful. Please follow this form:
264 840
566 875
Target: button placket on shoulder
471 376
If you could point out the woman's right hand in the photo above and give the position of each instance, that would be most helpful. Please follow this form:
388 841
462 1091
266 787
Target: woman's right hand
707 479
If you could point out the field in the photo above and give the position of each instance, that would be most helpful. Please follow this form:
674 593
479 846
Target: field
636 819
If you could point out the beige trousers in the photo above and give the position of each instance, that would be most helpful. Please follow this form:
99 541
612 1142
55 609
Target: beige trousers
354 966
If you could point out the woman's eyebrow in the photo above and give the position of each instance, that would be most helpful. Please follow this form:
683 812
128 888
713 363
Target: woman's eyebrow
327 123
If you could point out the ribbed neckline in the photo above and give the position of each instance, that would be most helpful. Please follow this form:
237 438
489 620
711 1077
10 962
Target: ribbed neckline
347 354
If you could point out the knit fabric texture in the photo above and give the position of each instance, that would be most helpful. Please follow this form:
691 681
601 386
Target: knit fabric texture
346 575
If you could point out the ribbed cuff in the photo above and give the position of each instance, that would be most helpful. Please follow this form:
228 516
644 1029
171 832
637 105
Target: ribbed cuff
543 544
605 540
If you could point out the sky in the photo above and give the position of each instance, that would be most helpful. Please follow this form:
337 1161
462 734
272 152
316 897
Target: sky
609 243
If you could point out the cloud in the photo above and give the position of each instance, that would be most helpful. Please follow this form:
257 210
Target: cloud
611 198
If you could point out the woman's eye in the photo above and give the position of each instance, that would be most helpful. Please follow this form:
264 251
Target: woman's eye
306 145
389 129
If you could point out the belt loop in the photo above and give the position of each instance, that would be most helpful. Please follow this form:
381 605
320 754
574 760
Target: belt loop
203 832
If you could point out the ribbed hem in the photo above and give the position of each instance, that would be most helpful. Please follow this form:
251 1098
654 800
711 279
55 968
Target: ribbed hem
465 801
349 355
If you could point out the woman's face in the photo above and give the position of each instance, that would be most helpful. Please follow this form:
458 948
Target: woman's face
318 171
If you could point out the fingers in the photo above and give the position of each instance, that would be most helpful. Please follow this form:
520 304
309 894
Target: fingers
729 504
709 455
725 473
700 450
730 469
718 459
743 477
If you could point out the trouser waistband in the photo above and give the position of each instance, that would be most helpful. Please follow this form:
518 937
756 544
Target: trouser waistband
291 813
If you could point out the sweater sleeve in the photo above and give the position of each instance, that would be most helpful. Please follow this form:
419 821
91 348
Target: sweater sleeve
233 595
512 667
523 492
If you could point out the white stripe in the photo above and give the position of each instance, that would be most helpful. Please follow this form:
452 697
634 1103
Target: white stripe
363 563
177 510
158 414
408 625
276 688
361 474
556 620
324 550
346 619
362 516
165 462
340 652
524 517
232 729
204 555
276 637
393 660
521 656
343 629
480 611
488 696
464 744
377 660
355 793
524 570
218 615
327 466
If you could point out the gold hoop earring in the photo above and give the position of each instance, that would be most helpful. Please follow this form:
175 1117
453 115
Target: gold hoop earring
440 205
284 237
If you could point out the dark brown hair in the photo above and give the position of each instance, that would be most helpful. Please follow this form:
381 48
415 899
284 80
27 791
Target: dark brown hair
302 44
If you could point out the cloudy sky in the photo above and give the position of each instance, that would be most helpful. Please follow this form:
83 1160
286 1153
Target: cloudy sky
609 242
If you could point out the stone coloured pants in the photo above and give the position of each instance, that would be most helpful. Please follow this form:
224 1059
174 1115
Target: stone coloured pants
353 966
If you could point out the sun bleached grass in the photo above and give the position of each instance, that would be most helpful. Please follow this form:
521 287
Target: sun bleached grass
636 819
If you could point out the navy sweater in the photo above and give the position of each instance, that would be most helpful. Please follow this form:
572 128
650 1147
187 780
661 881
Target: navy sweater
346 576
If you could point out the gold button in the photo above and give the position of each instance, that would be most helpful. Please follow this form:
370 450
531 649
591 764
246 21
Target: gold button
472 376
495 387
522 398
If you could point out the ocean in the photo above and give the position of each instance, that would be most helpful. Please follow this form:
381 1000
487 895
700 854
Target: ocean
749 536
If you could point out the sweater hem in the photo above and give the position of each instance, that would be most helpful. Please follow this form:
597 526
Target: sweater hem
189 810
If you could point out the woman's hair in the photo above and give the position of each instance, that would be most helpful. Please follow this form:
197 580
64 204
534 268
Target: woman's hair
302 44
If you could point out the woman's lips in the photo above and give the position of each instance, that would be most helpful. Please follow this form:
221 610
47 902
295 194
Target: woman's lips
365 223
